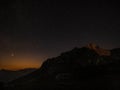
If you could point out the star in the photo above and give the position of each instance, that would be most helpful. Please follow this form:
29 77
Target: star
12 54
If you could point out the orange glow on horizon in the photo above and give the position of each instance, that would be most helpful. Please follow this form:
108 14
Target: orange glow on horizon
20 63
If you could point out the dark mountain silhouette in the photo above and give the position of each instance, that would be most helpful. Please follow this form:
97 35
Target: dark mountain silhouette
8 75
1 86
89 67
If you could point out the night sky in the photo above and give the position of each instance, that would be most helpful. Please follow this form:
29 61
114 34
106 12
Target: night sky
33 30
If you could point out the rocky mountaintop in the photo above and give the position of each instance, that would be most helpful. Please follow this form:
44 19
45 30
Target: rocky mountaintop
98 50
89 67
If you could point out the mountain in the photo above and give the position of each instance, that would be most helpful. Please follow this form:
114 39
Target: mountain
89 67
8 75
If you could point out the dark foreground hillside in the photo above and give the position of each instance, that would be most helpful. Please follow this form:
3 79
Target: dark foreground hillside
8 75
86 68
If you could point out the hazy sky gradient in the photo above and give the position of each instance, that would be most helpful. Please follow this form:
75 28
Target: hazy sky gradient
42 29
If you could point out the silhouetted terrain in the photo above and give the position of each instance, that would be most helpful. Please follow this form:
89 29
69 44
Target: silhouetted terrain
86 68
8 75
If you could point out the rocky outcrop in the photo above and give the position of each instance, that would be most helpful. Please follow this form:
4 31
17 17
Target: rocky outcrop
98 50
80 68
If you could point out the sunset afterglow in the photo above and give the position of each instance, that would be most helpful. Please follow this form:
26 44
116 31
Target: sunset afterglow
19 63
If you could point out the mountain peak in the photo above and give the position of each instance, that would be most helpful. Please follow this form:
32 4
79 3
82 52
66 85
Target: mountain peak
98 50
77 68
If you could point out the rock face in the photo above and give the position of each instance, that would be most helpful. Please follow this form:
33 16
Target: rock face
98 50
80 69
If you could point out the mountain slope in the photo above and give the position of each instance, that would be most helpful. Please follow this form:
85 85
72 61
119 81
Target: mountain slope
7 75
81 68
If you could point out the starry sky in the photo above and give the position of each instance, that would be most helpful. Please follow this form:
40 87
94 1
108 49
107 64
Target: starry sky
33 30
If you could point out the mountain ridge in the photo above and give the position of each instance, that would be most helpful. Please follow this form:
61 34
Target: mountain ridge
9 75
72 68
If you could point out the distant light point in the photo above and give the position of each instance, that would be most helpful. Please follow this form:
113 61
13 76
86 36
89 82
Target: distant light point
12 54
